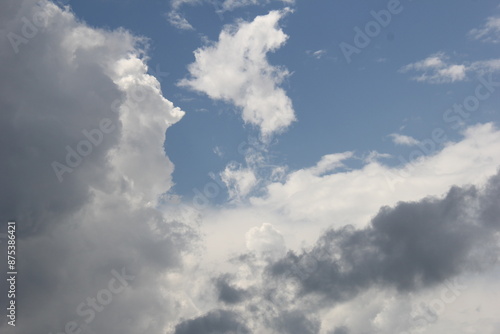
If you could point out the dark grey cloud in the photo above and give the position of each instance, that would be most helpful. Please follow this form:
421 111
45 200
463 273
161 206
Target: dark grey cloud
490 204
214 322
228 293
46 103
259 311
410 246
341 330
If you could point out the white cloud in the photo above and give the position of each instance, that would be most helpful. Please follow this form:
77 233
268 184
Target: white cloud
228 5
437 69
218 151
489 32
318 54
400 139
486 66
329 163
235 69
239 181
178 21
375 156
175 16
176 4
266 241
353 196
308 200
233 4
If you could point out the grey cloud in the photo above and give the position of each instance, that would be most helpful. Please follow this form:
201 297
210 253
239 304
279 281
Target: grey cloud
214 322
296 322
341 330
490 204
72 235
406 248
410 246
227 293
46 104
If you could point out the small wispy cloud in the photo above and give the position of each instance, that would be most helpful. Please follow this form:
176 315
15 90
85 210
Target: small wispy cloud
239 181
330 162
178 21
438 69
318 54
228 5
218 151
176 4
375 156
489 32
403 140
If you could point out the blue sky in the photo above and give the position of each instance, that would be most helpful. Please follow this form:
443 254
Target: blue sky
251 166
339 106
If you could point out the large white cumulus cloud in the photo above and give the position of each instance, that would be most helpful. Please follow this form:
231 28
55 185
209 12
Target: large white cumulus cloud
67 87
